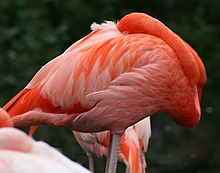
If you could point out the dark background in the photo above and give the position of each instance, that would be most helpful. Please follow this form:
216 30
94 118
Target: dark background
33 32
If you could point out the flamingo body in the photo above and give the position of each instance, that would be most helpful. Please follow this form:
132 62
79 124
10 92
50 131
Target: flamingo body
106 68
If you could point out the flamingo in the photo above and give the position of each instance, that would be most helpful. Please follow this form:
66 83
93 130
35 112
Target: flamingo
112 78
133 140
21 154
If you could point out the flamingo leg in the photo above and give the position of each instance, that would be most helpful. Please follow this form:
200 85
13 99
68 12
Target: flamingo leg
143 162
91 161
37 117
127 170
109 152
113 152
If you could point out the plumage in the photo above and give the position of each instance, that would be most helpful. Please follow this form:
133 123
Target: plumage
114 77
21 154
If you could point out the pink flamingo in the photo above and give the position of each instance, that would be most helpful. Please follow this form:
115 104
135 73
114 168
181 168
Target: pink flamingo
111 79
21 154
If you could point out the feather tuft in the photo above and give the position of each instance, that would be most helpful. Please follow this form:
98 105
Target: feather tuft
106 25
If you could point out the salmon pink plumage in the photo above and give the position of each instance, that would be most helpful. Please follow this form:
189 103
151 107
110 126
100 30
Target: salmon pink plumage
114 77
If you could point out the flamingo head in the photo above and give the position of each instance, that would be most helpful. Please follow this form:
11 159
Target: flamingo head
185 107
186 111
5 120
191 117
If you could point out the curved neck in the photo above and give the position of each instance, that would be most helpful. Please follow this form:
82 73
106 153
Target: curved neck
143 23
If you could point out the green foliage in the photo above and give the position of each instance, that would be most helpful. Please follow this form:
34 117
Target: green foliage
33 32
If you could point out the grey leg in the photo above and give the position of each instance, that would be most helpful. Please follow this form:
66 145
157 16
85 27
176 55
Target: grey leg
109 152
127 170
91 161
112 159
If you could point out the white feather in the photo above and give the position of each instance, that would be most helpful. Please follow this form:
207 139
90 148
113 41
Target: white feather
105 25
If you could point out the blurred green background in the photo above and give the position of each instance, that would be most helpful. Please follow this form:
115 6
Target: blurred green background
33 32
